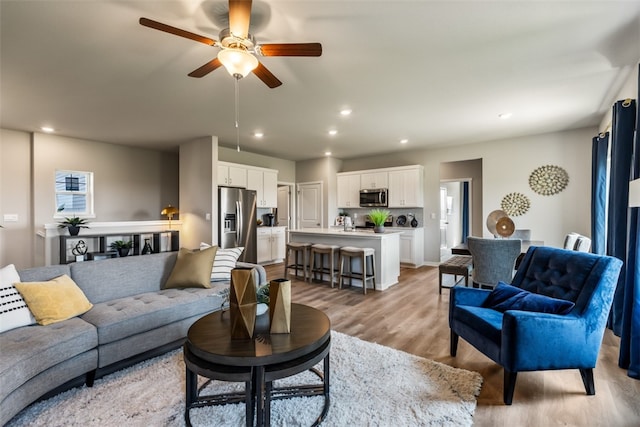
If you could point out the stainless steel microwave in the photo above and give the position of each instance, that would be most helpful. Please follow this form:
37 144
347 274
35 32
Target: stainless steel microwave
374 197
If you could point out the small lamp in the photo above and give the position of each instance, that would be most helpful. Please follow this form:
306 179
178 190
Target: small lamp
634 193
169 211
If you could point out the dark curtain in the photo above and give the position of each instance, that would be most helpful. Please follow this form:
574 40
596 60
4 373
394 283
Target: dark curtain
600 149
630 339
623 126
465 211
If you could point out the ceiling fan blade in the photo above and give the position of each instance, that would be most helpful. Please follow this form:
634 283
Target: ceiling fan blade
239 17
266 76
290 49
206 68
176 31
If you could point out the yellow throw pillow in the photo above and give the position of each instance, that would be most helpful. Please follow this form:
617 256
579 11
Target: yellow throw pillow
192 269
54 301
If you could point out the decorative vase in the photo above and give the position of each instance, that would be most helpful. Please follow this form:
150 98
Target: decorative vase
378 229
242 303
123 252
73 230
280 306
147 249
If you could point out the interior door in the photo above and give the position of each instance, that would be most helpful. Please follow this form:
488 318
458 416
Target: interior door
310 205
284 209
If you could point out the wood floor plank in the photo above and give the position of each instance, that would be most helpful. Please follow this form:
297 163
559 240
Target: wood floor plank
411 316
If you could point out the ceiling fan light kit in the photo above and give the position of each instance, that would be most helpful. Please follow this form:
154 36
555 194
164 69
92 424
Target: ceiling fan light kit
237 62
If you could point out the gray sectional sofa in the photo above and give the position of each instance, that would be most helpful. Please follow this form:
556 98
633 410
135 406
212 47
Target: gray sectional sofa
133 318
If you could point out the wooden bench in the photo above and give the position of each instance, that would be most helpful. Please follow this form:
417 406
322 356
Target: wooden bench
458 265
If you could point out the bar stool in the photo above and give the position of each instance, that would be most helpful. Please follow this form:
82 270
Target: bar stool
296 248
364 254
322 250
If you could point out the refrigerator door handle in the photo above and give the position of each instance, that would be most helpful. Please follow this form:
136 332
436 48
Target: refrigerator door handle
239 225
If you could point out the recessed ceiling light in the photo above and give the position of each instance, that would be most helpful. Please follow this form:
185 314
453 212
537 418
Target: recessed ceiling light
333 132
505 116
345 112
404 141
47 129
327 153
258 134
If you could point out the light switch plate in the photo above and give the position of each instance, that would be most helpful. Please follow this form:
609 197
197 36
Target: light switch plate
10 217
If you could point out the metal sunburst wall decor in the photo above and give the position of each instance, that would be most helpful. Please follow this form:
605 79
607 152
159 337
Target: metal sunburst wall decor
515 204
548 180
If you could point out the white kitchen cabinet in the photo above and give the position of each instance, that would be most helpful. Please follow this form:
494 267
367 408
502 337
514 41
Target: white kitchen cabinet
265 183
271 244
372 179
406 188
348 190
232 175
411 246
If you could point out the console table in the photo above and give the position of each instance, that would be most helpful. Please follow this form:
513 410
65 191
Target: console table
101 243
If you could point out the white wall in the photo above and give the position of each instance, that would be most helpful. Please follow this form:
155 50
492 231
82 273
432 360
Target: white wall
506 166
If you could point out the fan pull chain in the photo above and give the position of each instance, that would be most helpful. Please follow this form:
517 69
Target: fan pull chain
237 88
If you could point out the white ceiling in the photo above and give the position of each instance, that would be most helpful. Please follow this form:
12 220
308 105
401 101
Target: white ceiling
434 72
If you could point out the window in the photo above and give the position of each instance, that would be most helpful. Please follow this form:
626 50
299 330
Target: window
74 193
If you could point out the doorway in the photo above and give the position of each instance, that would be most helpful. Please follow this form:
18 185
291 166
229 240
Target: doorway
455 214
310 205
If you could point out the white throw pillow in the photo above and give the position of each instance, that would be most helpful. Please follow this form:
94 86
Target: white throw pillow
224 262
14 312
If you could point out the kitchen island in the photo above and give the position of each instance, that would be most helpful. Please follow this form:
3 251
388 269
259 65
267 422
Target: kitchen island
386 245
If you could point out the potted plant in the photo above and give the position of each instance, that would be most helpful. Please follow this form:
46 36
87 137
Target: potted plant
122 247
73 224
378 217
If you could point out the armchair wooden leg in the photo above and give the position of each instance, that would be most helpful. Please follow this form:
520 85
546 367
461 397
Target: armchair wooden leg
454 344
587 380
509 386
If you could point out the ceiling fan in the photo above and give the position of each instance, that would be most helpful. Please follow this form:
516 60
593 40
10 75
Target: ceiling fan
238 48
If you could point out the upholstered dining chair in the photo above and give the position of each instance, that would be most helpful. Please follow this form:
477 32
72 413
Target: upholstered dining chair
493 260
552 316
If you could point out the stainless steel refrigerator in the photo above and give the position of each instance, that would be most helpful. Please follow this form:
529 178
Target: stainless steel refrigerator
237 221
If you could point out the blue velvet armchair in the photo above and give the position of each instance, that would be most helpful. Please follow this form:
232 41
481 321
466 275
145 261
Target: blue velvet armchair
533 340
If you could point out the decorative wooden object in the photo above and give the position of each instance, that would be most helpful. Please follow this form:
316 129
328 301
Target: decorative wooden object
280 306
242 303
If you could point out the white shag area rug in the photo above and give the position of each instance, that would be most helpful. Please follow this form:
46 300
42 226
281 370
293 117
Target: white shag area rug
371 385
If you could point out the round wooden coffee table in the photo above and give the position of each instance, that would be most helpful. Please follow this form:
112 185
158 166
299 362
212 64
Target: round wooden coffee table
210 352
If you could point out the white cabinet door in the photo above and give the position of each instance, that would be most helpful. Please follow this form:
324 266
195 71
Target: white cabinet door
412 247
265 184
348 191
270 189
233 176
406 188
264 245
406 247
374 180
237 177
278 243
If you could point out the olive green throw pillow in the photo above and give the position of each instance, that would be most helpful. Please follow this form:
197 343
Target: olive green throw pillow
192 269
54 301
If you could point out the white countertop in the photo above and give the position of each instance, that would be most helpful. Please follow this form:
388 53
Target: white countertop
337 231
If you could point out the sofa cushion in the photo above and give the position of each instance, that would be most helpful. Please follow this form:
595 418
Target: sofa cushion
485 320
192 269
132 315
14 311
110 279
54 300
30 350
506 297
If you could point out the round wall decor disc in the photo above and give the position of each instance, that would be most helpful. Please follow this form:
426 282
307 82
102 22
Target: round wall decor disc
492 220
505 226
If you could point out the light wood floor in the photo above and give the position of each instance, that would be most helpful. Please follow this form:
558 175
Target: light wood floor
412 317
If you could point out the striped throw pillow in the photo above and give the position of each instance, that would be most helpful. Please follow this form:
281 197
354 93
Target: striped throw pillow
224 262
14 312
